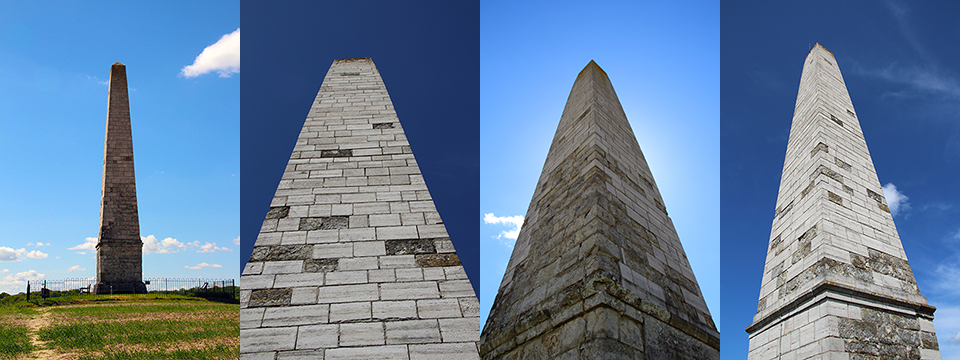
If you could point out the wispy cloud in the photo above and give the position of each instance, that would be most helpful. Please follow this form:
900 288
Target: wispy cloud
208 247
896 200
236 241
101 82
152 245
922 78
203 265
75 268
11 254
515 221
222 57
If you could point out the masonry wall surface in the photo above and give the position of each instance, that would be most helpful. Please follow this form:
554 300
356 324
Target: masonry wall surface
353 260
833 243
598 271
119 248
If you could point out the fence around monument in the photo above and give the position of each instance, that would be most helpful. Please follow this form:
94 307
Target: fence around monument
64 287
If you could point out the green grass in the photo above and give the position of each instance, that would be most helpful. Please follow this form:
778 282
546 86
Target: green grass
13 336
13 341
143 326
218 352
95 328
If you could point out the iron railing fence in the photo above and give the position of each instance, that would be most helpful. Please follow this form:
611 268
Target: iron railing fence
63 287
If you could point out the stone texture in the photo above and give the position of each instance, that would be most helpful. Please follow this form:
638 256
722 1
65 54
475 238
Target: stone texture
353 255
119 248
597 254
836 283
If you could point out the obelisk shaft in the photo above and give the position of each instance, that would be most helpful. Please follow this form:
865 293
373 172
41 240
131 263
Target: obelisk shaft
598 263
352 260
119 248
836 280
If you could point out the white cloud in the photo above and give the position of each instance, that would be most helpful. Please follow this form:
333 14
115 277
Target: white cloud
222 57
11 254
75 268
202 265
896 200
38 244
19 280
36 255
151 245
516 221
236 241
210 247
89 243
6 270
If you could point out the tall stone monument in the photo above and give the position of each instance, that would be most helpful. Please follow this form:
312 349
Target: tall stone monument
119 248
598 271
836 283
353 260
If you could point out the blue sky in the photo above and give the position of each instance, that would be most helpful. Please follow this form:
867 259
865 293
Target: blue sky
53 103
662 61
898 60
427 53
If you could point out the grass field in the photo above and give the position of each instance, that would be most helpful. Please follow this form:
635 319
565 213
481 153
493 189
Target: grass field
14 339
151 326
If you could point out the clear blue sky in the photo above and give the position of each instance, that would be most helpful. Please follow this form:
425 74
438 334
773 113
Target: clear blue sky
427 53
662 61
54 67
899 61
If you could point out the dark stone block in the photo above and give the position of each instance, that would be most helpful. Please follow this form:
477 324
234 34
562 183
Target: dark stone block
835 198
383 126
324 223
270 297
278 212
280 253
336 153
320 265
431 260
408 247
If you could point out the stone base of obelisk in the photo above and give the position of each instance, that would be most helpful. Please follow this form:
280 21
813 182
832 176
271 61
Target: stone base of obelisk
134 287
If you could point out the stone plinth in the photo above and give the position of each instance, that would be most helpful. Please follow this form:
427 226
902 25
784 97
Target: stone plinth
119 248
836 283
598 271
352 260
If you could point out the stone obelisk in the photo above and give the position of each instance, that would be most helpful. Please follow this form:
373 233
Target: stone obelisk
119 248
352 260
598 271
836 283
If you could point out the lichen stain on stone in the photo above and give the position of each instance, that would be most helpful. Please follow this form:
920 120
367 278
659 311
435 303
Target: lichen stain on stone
278 212
835 198
432 260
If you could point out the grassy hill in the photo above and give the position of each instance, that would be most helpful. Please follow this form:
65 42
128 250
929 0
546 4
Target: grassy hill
146 326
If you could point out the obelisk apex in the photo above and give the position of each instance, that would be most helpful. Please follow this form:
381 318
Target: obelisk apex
598 271
119 248
836 282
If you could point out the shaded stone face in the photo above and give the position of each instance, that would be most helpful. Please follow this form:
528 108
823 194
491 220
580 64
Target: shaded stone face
598 271
119 257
